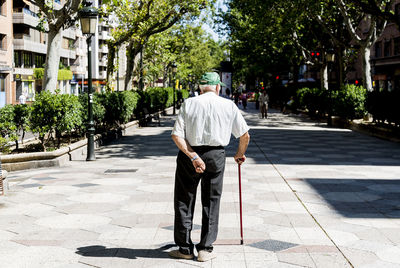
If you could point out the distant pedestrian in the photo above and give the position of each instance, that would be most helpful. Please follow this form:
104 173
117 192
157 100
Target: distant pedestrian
263 100
243 98
256 96
236 96
202 129
22 99
228 93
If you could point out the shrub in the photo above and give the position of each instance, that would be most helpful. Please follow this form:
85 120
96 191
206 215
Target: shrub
159 98
349 102
119 107
55 113
22 113
315 100
8 129
69 115
98 112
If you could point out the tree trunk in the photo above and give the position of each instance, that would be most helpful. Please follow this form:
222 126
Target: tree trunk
132 53
129 65
52 60
367 80
341 67
324 76
110 62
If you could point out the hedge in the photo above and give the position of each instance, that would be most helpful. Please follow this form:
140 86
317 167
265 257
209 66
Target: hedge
349 102
63 74
54 116
384 106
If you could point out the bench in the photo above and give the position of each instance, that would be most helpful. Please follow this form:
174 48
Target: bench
148 117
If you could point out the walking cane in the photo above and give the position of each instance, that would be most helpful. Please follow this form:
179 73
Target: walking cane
240 203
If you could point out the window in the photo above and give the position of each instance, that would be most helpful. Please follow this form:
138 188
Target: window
397 9
3 7
387 49
378 49
39 60
17 59
28 60
396 46
3 42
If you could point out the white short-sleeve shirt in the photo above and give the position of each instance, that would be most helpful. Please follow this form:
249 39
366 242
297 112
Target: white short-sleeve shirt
209 120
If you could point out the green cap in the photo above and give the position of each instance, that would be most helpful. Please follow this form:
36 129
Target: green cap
210 78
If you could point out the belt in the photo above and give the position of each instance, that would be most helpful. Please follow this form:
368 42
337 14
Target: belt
205 148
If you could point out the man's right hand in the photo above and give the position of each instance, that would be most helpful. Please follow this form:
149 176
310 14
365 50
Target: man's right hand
240 159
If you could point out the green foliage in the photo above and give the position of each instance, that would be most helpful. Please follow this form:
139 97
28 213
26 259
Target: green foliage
349 102
38 73
55 113
22 113
159 97
63 74
98 112
8 129
119 107
315 100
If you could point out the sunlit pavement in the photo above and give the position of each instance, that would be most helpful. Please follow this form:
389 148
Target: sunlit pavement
313 196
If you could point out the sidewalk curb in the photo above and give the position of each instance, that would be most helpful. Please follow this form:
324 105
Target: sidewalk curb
57 158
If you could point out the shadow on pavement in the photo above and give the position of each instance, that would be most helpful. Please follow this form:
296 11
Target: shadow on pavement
314 146
127 253
360 198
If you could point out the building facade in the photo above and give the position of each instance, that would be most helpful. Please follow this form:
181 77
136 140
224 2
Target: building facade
6 52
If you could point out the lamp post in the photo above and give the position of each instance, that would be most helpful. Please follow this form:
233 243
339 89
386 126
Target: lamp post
330 58
174 69
88 18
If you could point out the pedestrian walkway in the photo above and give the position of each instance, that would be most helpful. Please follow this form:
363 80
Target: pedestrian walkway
313 196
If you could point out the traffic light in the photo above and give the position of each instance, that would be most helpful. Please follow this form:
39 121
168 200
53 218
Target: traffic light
277 77
261 84
316 55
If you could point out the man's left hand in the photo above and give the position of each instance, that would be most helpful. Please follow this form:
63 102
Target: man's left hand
199 165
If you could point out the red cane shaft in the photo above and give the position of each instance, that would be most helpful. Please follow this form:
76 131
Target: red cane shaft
240 205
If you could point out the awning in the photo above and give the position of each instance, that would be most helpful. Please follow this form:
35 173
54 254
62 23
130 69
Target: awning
380 77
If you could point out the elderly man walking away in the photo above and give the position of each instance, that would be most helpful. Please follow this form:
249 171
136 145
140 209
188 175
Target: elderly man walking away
202 129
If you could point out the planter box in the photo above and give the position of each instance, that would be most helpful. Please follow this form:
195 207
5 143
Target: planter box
57 158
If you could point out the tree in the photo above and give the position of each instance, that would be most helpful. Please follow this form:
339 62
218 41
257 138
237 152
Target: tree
57 20
194 51
365 30
138 20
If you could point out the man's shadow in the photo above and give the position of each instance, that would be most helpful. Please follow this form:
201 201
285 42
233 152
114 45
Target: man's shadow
127 253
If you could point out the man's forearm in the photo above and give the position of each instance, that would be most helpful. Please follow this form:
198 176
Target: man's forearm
184 146
243 143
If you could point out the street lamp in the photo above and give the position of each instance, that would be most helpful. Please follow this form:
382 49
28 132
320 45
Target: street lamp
330 58
88 18
174 69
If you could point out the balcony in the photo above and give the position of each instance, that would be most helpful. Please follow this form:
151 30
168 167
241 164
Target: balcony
23 42
103 62
70 33
78 69
104 49
25 16
104 35
68 53
102 75
80 52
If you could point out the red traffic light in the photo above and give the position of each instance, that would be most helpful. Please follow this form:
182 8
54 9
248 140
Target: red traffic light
312 54
356 82
318 54
277 77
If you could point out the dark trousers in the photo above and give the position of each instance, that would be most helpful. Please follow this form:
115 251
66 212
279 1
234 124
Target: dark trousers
186 182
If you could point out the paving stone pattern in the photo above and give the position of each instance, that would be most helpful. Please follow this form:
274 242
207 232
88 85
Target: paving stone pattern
313 196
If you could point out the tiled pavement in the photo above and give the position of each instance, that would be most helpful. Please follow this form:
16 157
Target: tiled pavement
312 197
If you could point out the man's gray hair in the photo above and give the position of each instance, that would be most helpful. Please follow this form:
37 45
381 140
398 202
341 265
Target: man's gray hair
208 87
